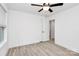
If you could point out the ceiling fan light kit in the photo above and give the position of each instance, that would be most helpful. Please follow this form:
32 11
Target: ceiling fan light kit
46 8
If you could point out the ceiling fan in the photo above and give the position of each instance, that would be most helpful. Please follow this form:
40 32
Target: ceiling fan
48 6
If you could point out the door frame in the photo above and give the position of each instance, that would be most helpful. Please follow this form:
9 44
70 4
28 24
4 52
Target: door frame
50 29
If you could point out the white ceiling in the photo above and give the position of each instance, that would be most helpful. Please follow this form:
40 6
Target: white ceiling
26 7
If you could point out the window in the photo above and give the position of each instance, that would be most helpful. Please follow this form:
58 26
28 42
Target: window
2 23
1 34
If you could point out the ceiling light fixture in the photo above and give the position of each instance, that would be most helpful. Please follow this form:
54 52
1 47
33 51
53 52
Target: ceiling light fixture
46 8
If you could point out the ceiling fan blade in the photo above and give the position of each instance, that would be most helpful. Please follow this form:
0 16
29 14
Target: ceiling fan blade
36 5
50 10
40 10
57 4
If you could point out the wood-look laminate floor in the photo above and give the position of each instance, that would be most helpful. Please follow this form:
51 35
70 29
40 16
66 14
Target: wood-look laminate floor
41 49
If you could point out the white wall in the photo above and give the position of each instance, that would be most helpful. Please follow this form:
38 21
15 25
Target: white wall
3 22
67 28
24 28
45 29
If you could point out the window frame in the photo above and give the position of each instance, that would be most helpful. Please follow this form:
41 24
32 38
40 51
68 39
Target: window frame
3 7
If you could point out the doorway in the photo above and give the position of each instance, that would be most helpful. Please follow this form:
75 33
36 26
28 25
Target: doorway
52 30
